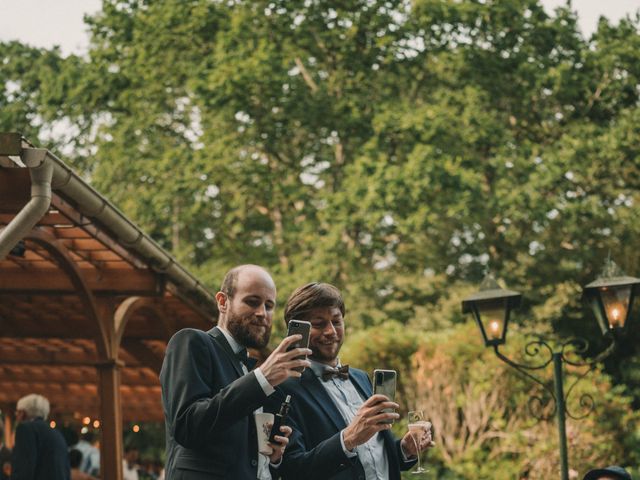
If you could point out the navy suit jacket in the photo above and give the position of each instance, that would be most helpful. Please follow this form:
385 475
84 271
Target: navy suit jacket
40 453
208 406
315 451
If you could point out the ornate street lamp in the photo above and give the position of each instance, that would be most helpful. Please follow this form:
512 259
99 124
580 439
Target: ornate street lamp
611 297
491 308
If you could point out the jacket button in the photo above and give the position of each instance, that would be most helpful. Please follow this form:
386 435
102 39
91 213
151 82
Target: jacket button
254 463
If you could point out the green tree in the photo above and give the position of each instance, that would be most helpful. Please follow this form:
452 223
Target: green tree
397 149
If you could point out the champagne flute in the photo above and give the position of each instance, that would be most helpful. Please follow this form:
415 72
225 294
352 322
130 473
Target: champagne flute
417 430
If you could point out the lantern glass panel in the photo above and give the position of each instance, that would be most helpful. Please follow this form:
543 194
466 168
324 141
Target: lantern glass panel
616 304
492 315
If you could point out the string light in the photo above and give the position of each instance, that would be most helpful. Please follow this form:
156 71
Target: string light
52 424
96 424
136 428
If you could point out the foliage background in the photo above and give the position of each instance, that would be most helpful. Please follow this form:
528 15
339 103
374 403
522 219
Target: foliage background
398 149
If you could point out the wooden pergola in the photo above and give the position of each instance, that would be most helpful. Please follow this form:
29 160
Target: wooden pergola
87 300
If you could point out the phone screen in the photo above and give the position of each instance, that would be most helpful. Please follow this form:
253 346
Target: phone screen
303 328
384 382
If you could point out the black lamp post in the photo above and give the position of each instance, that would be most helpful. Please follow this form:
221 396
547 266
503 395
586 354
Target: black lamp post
611 298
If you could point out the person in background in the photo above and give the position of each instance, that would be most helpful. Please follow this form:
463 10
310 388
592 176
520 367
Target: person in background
40 452
75 460
87 445
160 470
130 463
5 456
147 470
614 472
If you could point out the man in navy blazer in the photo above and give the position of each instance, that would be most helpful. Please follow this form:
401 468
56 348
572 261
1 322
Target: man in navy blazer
339 429
40 452
209 395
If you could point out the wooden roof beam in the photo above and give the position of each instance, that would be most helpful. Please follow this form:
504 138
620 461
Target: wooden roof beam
34 356
51 219
67 377
100 282
96 232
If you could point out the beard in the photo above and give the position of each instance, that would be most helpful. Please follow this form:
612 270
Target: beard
248 331
326 354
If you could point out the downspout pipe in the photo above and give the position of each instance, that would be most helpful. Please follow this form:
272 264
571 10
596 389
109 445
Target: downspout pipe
41 172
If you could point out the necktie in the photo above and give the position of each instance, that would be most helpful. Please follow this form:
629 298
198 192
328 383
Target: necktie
340 372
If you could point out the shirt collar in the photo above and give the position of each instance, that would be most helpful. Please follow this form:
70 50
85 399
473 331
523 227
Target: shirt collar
235 346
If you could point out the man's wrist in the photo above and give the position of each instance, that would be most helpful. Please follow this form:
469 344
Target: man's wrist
406 457
348 453
267 388
348 445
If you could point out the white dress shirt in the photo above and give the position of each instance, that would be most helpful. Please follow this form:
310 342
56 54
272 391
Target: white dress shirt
347 399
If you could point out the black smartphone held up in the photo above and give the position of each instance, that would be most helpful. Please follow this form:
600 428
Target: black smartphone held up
303 328
384 382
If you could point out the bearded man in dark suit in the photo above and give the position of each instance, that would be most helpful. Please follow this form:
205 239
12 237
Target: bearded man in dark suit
340 431
209 394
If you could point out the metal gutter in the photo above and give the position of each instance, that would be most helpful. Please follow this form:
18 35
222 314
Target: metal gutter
91 204
41 173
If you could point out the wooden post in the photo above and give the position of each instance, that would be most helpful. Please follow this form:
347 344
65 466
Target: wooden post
8 428
111 420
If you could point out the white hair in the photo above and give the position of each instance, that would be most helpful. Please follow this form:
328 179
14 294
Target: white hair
34 406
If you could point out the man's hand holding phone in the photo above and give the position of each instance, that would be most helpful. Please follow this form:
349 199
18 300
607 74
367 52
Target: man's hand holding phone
282 364
299 327
369 420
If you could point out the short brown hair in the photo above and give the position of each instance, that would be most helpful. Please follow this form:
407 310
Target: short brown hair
311 296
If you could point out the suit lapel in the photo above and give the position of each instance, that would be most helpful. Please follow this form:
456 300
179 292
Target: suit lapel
218 337
322 398
363 387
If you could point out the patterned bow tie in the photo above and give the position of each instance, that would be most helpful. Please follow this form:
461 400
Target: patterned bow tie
331 372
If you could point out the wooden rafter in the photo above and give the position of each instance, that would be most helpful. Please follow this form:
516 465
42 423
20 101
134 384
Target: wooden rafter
95 232
46 281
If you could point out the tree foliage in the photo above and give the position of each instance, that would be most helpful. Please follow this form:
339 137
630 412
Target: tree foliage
399 149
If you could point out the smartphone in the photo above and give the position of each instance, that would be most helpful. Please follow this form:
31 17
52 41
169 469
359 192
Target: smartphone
303 328
384 382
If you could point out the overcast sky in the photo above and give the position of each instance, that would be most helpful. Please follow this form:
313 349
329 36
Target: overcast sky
45 23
